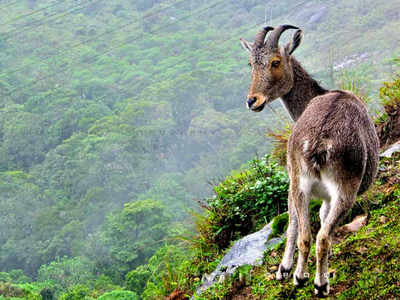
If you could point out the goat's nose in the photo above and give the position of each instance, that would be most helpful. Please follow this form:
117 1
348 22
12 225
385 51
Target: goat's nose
251 101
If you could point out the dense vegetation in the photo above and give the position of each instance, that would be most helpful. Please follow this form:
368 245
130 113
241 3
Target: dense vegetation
115 117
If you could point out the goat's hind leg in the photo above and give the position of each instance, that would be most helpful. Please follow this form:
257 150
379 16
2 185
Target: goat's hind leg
291 236
301 192
339 207
323 213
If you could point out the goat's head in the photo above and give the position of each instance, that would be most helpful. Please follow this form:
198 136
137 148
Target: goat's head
271 68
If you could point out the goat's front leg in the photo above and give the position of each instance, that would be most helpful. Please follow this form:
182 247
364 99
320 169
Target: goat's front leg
301 194
291 236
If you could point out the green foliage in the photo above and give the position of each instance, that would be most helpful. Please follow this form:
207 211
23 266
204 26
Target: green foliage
5 277
9 290
77 292
177 268
136 279
119 295
168 271
135 233
19 291
14 276
357 83
67 272
315 205
387 120
390 91
47 294
280 139
246 200
18 276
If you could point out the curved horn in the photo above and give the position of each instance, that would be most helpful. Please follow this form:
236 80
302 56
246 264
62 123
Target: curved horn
260 37
273 38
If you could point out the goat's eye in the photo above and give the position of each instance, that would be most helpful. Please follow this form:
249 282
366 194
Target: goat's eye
275 63
249 64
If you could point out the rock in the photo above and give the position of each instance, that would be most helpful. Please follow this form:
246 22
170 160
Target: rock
221 278
383 219
246 251
362 250
273 269
392 149
270 277
354 226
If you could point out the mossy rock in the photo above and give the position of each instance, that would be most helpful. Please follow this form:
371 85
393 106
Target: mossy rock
279 225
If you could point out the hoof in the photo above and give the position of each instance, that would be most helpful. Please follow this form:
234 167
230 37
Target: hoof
282 273
299 282
321 291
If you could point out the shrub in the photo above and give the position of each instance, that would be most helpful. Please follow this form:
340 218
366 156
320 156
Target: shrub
77 292
387 123
245 201
280 138
169 271
47 294
119 295
133 234
5 277
66 272
9 290
18 276
136 279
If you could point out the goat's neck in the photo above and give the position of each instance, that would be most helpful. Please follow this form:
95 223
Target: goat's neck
304 89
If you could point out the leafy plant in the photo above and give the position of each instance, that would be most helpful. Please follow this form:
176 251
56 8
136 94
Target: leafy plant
119 295
246 200
77 292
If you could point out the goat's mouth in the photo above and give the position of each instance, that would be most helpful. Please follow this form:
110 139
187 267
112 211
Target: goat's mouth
259 108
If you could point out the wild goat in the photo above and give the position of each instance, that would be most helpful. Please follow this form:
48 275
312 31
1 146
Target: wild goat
332 152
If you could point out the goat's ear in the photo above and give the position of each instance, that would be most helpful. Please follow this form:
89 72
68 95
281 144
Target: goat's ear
297 38
246 45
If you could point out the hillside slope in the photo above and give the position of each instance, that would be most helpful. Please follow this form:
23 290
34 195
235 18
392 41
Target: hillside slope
364 265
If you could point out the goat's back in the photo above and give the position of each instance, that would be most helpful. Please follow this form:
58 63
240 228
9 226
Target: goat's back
336 131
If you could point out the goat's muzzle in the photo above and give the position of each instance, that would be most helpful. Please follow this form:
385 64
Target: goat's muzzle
256 103
251 101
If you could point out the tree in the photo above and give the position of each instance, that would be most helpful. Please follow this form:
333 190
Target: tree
119 295
133 234
67 272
